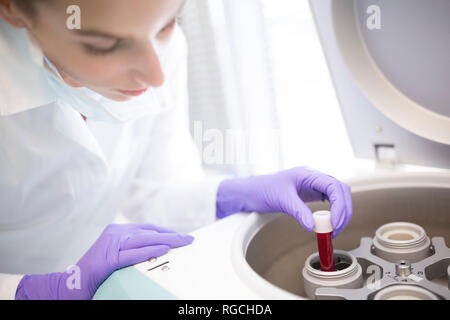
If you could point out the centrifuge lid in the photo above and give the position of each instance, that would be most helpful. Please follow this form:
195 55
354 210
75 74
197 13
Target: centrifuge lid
396 53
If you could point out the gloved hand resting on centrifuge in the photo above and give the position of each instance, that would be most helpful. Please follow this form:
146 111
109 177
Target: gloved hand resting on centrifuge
287 191
119 245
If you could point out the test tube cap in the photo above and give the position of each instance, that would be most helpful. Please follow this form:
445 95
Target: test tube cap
322 220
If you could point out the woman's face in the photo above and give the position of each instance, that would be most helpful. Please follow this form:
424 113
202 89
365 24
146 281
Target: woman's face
115 53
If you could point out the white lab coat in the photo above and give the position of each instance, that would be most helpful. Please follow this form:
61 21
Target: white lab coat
62 180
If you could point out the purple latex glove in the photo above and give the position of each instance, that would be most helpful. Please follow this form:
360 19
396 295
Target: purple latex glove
119 245
287 191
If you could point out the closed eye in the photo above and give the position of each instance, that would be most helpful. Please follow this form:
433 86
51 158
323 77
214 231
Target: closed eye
95 49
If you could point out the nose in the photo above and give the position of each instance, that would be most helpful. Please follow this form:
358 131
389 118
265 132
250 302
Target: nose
147 68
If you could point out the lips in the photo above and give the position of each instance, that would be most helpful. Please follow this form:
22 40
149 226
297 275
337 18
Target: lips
133 92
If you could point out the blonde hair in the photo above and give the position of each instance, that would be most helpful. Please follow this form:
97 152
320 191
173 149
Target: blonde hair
28 6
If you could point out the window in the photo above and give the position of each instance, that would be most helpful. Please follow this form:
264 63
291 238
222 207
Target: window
258 65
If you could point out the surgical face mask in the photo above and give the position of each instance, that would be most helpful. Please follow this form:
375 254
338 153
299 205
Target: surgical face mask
93 105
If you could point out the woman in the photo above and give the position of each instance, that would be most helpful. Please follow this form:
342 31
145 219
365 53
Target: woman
94 121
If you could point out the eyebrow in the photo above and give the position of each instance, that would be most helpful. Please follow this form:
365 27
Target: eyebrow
103 34
95 33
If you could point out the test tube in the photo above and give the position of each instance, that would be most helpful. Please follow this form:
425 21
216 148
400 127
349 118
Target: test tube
324 230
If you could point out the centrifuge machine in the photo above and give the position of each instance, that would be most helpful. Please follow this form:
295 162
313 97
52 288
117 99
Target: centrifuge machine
390 68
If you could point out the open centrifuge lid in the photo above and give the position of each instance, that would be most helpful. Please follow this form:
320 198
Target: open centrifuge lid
390 64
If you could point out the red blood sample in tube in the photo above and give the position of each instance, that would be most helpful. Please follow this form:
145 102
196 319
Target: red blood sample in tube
325 251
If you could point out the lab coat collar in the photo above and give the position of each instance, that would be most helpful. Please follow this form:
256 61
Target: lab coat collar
23 84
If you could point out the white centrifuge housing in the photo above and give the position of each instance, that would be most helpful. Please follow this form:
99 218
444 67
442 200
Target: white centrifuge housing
390 67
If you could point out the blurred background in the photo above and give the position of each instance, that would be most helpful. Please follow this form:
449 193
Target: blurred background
259 85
